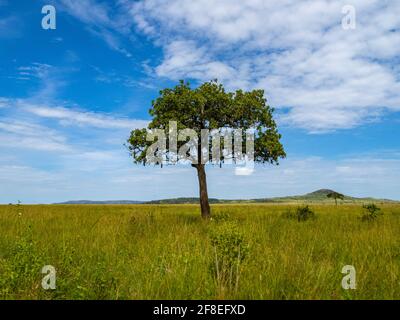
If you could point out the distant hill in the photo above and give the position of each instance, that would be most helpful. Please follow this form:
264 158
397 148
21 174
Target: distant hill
319 196
181 201
101 202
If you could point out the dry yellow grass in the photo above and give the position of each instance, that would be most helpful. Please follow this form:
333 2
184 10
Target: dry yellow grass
165 252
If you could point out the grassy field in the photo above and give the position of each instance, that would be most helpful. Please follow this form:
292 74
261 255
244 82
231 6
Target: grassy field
167 252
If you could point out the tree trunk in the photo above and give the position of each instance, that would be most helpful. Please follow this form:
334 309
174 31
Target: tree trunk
205 206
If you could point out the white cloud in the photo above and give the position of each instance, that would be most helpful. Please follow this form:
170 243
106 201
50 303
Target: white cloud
49 79
111 40
68 116
27 135
328 78
85 118
184 59
100 21
244 171
359 177
325 77
35 70
88 11
117 178
35 143
27 127
4 103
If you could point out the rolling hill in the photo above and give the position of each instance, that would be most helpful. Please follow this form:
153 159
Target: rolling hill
315 196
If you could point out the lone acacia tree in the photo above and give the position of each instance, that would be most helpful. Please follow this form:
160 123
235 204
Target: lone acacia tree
210 107
335 195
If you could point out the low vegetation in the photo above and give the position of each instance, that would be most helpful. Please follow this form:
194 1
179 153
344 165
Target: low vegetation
303 213
371 212
246 251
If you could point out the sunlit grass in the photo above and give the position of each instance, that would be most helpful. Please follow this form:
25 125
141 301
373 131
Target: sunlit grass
166 252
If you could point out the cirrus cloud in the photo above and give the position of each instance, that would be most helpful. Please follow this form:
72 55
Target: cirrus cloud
321 76
70 116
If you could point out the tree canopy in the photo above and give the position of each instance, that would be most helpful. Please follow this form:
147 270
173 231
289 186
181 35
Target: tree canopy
210 107
335 195
207 107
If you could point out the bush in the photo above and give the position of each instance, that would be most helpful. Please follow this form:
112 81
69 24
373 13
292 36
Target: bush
230 250
301 214
20 272
221 217
304 213
371 212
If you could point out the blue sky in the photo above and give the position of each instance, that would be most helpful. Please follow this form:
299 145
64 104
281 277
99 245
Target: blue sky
70 96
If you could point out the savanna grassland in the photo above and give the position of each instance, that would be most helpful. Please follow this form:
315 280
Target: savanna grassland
254 251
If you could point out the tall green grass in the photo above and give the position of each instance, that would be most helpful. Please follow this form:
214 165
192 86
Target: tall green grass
168 252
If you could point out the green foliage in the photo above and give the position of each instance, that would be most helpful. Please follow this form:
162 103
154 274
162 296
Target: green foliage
335 195
100 285
221 216
210 107
230 250
20 273
303 213
122 252
371 212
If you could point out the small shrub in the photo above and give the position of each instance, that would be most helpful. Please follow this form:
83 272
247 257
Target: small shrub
221 217
20 271
304 213
230 250
371 212
301 214
102 282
